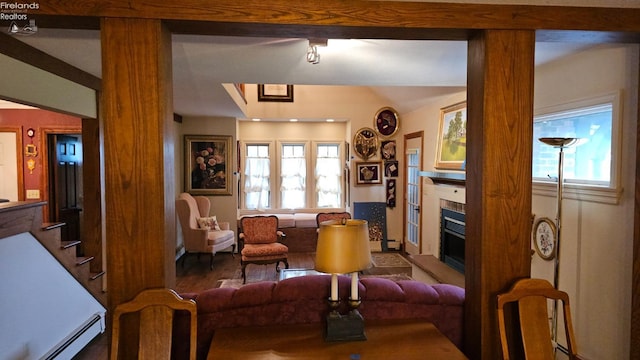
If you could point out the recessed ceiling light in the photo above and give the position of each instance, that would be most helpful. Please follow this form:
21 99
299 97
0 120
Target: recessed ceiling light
330 120
293 120
255 119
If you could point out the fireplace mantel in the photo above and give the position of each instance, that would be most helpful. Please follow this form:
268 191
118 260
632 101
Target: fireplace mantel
449 178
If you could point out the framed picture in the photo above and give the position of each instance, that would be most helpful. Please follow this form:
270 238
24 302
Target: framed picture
365 143
391 193
388 150
452 137
391 168
206 159
368 173
386 121
275 92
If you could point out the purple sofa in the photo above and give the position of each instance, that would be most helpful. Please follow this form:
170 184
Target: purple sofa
303 300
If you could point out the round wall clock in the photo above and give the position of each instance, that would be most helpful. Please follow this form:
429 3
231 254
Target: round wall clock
386 121
31 133
544 238
365 143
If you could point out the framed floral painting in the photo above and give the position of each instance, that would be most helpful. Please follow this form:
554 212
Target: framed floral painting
206 160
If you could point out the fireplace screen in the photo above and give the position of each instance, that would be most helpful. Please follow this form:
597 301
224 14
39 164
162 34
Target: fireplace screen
452 235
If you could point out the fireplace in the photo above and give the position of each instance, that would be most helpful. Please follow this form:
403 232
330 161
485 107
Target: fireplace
452 235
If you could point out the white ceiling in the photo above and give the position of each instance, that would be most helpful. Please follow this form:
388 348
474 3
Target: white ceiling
406 72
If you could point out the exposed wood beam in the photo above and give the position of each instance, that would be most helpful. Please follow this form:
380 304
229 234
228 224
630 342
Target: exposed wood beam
20 51
365 14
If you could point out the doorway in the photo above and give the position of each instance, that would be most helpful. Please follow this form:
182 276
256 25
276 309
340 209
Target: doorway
11 164
413 193
65 184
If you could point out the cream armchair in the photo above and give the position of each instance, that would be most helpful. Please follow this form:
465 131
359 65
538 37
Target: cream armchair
202 239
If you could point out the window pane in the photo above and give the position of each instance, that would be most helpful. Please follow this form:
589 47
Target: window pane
257 172
293 172
589 161
328 175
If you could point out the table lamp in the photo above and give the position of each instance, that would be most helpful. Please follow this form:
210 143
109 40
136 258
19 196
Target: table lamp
343 248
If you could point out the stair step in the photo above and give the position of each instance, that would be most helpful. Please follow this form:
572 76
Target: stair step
52 225
95 276
68 244
84 259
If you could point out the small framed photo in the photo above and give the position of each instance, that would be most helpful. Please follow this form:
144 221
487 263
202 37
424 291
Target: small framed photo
275 92
206 159
391 168
368 172
452 137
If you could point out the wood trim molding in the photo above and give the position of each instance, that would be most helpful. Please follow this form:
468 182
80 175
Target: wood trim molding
20 157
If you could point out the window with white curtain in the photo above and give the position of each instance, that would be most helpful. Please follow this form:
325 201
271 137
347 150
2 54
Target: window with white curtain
293 176
257 174
328 175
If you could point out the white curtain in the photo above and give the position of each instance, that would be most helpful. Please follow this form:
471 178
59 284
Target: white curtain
292 188
328 173
256 183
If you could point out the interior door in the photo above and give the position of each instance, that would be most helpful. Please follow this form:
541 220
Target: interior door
66 184
9 186
413 193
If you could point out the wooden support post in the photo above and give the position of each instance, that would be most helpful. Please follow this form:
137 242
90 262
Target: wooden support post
139 158
499 152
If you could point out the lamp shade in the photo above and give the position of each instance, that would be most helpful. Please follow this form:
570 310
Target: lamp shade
343 247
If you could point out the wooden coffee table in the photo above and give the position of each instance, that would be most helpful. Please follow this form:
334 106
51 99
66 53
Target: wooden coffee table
401 339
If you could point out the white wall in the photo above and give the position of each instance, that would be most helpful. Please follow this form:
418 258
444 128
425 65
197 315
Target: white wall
597 239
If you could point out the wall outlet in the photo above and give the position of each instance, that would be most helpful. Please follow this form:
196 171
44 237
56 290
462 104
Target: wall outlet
33 194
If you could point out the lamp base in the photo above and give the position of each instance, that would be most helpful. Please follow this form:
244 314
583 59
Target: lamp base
348 327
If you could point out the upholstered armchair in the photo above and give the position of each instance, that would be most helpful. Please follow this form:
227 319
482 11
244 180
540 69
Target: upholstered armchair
321 217
202 233
260 238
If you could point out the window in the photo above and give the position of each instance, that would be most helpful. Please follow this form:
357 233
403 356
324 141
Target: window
592 160
328 171
306 174
257 176
293 176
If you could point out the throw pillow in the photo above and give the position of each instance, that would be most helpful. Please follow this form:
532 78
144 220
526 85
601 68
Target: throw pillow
209 223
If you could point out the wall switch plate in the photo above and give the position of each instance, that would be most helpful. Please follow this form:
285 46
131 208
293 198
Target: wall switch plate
33 194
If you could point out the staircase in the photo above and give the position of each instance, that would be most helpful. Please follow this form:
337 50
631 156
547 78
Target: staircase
18 217
78 266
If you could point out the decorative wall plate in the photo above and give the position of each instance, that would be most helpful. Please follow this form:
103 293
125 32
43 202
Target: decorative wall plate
365 143
544 238
386 121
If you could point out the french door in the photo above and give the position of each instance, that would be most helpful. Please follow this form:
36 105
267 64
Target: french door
413 193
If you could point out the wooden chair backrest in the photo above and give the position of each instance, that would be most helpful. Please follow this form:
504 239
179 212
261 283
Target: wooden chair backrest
531 296
156 308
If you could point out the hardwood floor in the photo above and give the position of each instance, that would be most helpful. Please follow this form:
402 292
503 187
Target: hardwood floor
196 276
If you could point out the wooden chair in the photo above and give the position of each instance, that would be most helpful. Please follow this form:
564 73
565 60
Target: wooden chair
531 295
156 308
260 237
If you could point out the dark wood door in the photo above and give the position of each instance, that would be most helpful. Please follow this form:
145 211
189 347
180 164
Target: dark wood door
66 184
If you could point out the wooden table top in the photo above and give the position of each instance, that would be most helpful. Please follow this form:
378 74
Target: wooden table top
405 340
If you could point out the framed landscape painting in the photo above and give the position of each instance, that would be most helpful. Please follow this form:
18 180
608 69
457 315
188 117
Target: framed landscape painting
452 137
206 159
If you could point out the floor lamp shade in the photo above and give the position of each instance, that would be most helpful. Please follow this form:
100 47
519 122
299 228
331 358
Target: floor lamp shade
343 247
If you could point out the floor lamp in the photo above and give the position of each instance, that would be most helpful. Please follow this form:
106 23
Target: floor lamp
561 144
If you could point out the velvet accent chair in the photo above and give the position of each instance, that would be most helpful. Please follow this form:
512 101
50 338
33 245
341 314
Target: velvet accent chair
531 296
157 308
326 216
198 239
260 243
